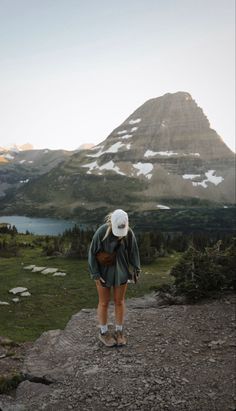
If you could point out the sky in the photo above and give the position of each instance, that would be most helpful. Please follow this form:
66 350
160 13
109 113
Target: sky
73 70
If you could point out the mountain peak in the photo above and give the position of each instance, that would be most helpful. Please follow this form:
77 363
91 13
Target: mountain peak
167 141
16 148
172 122
177 113
178 94
85 146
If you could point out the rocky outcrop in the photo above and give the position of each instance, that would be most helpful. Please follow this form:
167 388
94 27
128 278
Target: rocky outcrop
178 358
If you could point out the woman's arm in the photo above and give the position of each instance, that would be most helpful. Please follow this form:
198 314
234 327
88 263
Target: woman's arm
134 258
95 246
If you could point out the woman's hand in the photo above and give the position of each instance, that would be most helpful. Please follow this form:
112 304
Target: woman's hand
100 280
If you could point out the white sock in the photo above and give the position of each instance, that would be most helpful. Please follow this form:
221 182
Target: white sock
103 328
119 327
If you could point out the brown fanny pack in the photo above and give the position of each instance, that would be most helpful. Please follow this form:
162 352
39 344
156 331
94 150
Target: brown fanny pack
108 259
105 258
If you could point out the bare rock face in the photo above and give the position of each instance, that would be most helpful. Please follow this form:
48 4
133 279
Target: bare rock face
178 357
173 122
168 143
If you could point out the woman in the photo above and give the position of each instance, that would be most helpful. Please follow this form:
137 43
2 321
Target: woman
113 249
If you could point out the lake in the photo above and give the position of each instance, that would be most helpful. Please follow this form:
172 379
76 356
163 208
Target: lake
41 226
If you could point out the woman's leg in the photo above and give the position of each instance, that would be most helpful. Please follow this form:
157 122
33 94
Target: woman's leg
119 300
104 298
103 303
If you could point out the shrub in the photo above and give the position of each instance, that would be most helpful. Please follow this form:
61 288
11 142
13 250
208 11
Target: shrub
7 384
200 273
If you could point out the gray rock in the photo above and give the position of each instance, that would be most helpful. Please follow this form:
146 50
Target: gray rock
3 352
68 369
7 403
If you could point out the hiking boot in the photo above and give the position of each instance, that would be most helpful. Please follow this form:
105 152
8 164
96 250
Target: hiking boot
120 338
107 339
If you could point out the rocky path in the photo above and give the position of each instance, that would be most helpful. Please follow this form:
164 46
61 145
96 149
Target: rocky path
179 357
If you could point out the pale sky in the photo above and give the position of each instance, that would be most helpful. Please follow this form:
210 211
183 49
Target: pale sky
73 70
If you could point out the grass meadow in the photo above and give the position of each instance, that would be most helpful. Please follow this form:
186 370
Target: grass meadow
54 300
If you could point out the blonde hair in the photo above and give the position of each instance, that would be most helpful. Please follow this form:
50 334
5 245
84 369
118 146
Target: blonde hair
107 220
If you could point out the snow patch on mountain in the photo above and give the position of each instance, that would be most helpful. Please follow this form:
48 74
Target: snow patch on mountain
144 168
167 153
8 156
110 165
190 176
98 154
114 148
135 121
211 178
150 153
91 166
122 132
127 135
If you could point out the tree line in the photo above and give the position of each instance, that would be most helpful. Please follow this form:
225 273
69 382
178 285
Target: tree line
75 242
206 265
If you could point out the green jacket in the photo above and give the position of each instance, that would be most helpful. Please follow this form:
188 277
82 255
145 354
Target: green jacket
127 255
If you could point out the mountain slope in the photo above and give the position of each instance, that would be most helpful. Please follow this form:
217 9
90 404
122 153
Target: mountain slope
163 153
20 167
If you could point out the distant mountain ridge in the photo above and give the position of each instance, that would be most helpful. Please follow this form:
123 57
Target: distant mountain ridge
17 148
164 152
19 167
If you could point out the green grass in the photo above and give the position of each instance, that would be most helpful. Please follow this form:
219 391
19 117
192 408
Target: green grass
7 384
55 299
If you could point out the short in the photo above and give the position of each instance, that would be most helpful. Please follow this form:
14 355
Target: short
106 286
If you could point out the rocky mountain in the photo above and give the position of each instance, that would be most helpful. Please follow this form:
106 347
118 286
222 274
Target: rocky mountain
85 146
21 166
163 154
16 148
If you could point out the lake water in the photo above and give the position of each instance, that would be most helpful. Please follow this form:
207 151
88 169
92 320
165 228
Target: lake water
41 226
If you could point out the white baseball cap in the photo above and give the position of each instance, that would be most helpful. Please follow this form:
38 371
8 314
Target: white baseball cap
119 223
